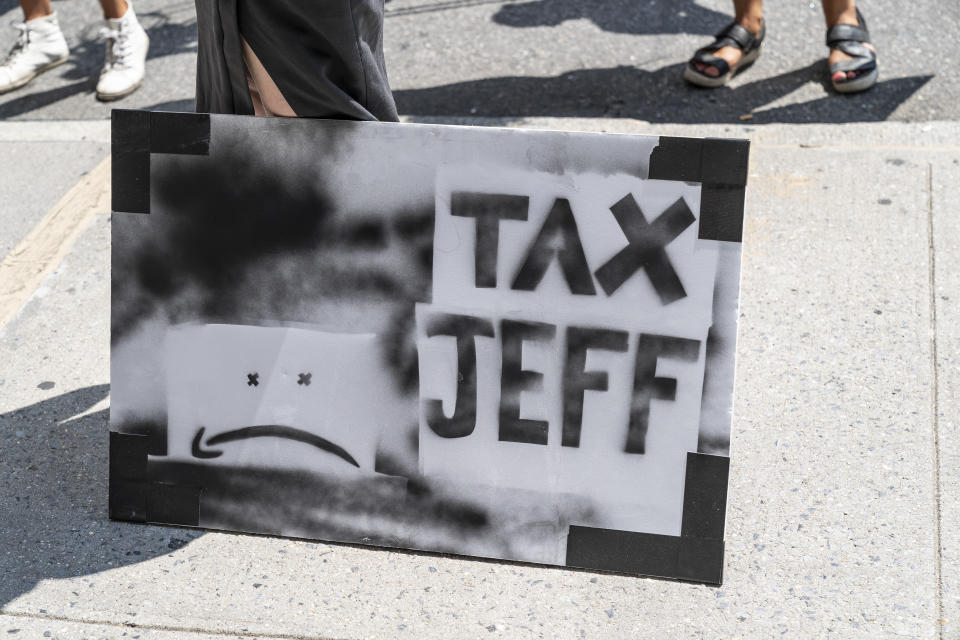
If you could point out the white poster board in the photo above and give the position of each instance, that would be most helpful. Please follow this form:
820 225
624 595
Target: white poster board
501 343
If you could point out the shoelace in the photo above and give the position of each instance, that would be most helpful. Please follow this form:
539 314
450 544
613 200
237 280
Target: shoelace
119 47
20 45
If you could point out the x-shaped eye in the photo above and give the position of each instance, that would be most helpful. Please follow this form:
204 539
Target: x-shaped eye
253 379
303 379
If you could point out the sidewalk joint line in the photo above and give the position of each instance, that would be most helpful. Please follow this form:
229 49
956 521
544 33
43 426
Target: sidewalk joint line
935 403
160 627
854 147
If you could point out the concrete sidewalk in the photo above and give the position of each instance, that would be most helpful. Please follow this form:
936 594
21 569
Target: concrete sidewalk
843 514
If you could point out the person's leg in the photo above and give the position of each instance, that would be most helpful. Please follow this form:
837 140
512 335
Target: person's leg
127 45
749 15
841 12
41 46
33 9
264 93
113 9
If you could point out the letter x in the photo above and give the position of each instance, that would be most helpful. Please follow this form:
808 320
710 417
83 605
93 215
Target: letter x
646 248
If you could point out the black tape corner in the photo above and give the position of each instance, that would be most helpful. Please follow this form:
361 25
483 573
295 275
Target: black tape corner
128 477
135 497
676 159
721 166
705 496
725 161
130 163
180 133
127 501
721 212
725 164
700 554
700 560
173 504
137 134
622 551
696 555
128 456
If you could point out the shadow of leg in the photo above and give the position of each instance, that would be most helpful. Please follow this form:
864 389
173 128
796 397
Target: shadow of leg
617 16
655 96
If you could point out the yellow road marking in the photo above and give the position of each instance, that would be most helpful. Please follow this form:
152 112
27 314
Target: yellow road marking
48 243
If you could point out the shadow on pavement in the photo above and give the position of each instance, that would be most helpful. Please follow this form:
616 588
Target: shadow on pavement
53 515
86 59
30 100
620 16
173 105
655 96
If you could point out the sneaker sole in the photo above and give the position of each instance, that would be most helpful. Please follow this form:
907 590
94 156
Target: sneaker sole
110 97
26 80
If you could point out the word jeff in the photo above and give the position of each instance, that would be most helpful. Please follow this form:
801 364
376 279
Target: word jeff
575 379
559 238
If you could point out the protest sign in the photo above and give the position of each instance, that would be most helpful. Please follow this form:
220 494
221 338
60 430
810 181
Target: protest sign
503 343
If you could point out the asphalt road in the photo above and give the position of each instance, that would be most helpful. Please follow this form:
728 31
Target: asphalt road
570 58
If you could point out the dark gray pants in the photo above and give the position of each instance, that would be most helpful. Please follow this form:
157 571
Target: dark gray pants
325 56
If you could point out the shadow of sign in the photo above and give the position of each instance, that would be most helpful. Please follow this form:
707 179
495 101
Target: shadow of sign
655 96
54 511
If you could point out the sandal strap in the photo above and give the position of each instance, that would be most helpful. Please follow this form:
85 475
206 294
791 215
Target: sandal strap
855 49
734 35
841 32
741 36
721 65
845 32
857 64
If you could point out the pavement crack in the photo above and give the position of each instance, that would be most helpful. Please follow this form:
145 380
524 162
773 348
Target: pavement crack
160 627
935 407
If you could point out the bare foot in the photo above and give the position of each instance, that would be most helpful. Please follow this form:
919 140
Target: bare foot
732 55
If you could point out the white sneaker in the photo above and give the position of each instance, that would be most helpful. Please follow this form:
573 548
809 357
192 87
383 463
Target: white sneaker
40 46
127 45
